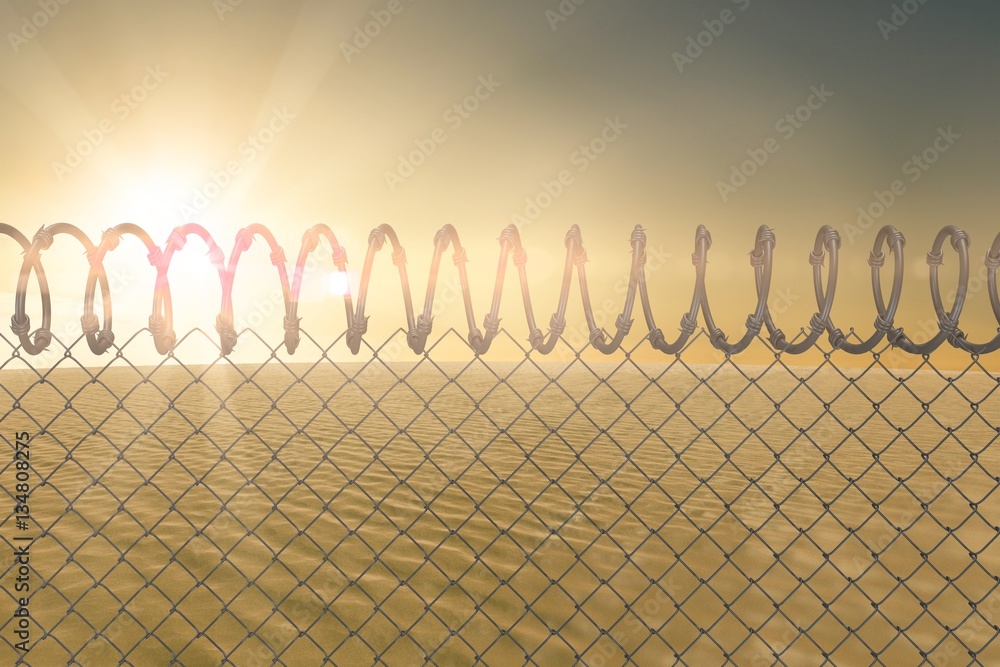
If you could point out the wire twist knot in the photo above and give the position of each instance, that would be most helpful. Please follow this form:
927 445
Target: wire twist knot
177 240
310 239
492 324
656 337
244 239
216 256
154 256
816 324
111 238
718 338
638 236
89 323
20 325
688 324
43 238
766 237
278 256
883 325
105 339
339 255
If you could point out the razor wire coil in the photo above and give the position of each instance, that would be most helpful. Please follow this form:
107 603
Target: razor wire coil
100 336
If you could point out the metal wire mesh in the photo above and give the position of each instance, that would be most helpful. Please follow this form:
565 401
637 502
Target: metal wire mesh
479 512
406 510
100 335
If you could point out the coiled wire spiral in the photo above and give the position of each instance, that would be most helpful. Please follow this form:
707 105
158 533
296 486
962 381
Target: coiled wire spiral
100 336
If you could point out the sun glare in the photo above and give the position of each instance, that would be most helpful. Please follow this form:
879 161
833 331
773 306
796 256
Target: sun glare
152 200
337 283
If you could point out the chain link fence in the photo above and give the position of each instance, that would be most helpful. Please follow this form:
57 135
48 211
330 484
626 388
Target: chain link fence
503 508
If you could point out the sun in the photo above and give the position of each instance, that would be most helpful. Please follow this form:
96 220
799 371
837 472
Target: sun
338 283
151 200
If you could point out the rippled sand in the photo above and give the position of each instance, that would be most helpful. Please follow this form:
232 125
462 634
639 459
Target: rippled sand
234 513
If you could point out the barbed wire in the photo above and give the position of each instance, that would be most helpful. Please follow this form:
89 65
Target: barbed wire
100 336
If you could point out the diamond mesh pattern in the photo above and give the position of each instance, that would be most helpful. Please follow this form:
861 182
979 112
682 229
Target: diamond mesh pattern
416 511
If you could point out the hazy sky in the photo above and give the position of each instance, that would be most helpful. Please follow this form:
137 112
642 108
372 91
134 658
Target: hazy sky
288 114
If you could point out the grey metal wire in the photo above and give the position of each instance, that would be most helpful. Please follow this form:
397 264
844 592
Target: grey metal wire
420 326
640 589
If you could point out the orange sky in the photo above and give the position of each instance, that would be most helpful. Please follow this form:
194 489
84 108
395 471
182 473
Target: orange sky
467 112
